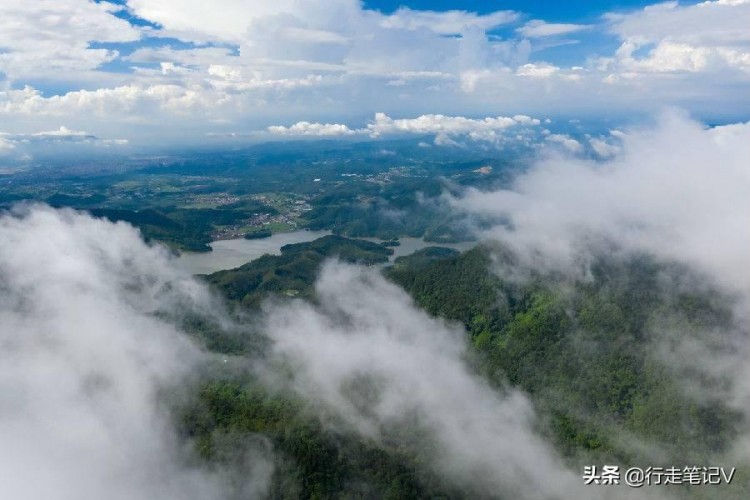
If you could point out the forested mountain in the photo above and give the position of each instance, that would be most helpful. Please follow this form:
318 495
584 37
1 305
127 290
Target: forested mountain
586 352
293 272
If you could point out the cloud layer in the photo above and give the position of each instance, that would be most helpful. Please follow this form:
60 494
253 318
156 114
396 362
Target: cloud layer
84 352
83 359
446 129
366 329
86 359
180 70
676 190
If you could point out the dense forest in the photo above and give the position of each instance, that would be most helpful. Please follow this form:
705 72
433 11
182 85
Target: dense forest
584 351
408 207
293 273
181 229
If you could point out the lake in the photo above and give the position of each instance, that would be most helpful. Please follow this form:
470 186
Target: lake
410 245
229 254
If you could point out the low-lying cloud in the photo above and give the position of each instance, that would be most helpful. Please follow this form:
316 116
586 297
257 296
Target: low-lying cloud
86 355
365 328
84 352
677 190
83 358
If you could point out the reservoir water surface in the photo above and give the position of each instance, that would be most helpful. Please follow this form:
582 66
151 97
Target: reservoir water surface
229 254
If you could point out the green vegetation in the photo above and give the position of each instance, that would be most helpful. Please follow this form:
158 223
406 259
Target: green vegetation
586 355
312 460
188 229
63 200
155 225
293 273
424 256
257 235
586 352
362 208
358 192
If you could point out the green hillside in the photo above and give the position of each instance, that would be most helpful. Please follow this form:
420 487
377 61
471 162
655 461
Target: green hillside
584 351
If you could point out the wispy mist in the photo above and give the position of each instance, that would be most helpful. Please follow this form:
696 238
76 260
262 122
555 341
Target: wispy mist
87 354
677 191
366 329
84 359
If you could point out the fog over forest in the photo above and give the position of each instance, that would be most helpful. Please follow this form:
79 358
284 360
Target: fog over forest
94 364
374 249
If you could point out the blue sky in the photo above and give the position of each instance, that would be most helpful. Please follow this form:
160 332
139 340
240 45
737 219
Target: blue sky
142 72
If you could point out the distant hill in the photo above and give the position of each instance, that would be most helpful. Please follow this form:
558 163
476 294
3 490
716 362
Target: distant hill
293 272
155 225
425 256
583 353
531 336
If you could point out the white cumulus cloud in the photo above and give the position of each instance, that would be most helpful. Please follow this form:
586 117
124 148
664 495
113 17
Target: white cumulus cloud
255 63
314 129
51 37
710 36
565 141
478 129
